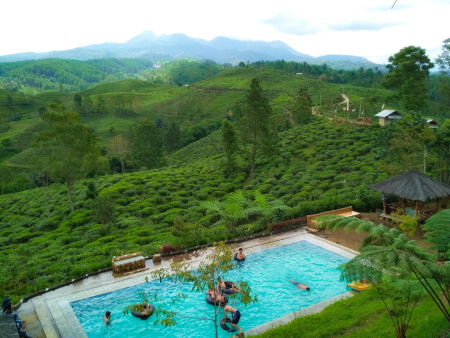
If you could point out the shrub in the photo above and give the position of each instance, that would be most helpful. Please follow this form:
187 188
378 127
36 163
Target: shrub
286 224
167 248
103 210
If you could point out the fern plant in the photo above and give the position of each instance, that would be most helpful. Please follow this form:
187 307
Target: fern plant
232 211
437 229
265 210
389 252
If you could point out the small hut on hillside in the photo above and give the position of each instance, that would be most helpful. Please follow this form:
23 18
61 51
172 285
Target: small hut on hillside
388 116
432 123
417 191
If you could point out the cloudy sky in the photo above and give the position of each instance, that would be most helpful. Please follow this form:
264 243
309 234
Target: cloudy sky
316 27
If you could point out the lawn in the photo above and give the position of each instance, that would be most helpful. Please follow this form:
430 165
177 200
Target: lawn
362 316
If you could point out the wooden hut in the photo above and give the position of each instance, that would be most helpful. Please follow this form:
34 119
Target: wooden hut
388 116
420 195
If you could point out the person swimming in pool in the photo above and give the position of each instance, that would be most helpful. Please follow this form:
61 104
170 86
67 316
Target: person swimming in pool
240 255
299 285
214 295
235 316
146 310
107 318
222 285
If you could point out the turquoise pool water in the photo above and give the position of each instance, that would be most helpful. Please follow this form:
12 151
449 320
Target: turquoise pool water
267 272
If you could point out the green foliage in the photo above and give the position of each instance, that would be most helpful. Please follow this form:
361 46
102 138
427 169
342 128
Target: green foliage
180 228
172 137
229 143
69 149
255 123
443 60
147 145
408 71
103 210
182 72
438 231
361 316
301 108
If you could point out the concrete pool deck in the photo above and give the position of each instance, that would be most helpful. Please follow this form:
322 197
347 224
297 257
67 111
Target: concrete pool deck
59 321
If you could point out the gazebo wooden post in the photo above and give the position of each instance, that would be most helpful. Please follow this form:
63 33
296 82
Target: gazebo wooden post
417 209
403 206
437 205
384 206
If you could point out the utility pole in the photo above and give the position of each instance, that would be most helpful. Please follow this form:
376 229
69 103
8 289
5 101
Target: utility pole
360 101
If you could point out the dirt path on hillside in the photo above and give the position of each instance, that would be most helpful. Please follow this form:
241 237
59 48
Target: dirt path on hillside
346 99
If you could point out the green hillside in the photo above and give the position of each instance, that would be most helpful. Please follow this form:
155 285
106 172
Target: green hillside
319 167
64 75
201 103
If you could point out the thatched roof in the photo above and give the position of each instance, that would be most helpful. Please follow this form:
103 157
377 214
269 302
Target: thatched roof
413 185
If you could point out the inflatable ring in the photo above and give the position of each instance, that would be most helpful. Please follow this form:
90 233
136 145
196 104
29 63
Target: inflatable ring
224 325
140 314
209 300
239 260
228 286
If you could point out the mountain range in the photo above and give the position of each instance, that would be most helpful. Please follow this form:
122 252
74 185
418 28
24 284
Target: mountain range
148 45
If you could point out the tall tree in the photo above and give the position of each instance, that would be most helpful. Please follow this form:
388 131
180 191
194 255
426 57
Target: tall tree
71 147
255 123
229 143
147 145
443 59
408 145
301 107
121 148
77 100
88 106
408 72
172 137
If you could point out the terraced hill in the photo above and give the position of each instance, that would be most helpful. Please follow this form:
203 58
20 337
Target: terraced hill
202 103
321 166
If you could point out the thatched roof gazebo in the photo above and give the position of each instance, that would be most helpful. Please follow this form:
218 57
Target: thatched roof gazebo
413 187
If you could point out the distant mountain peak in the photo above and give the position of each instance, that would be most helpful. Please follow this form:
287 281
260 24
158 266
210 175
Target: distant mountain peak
148 45
144 37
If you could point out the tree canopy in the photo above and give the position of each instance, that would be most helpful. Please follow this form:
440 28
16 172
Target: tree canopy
408 72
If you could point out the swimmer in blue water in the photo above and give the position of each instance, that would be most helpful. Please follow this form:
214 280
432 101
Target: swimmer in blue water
299 285
107 318
235 316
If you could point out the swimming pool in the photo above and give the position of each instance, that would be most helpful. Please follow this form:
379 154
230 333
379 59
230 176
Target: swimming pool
266 272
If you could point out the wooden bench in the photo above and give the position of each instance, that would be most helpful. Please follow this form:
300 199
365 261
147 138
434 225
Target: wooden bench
345 212
128 262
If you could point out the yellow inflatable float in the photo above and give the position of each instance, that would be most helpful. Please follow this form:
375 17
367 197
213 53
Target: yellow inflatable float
359 286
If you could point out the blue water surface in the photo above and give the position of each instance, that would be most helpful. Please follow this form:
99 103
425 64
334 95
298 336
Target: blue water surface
266 272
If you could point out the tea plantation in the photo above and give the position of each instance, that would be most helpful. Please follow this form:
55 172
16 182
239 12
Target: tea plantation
321 166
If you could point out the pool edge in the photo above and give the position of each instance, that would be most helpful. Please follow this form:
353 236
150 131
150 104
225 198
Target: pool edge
66 322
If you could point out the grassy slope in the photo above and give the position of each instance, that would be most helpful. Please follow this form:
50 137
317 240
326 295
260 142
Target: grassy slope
362 316
186 106
35 225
